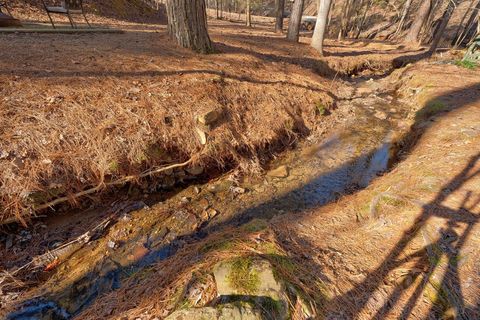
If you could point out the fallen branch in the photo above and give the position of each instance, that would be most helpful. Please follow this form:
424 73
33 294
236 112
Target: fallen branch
117 182
102 185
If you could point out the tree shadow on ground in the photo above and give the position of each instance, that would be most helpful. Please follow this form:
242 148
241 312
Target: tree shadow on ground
105 281
449 245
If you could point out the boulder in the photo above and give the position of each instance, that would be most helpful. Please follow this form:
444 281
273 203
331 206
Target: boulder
251 280
194 314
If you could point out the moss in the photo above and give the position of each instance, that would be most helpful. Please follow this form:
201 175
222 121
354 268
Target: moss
430 109
268 248
323 291
256 225
242 277
321 109
140 158
184 304
467 64
221 245
437 294
113 166
271 308
283 267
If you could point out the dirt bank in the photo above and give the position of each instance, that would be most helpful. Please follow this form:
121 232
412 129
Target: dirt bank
133 103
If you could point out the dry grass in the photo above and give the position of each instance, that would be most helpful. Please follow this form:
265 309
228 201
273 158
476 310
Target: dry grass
89 133
82 111
167 280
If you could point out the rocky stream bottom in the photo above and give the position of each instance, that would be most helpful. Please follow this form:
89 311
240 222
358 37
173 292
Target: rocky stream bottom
131 236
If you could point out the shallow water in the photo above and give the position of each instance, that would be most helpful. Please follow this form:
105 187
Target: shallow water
319 173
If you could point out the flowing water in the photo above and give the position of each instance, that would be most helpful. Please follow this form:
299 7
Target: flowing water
318 173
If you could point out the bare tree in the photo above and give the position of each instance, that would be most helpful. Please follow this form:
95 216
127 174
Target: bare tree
364 18
187 24
457 32
295 21
418 22
321 25
248 14
344 20
447 14
279 10
406 8
467 31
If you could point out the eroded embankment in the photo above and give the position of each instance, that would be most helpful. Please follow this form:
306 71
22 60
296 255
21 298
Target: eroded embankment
135 101
132 243
115 126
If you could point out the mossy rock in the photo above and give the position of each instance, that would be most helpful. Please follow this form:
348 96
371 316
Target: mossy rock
250 280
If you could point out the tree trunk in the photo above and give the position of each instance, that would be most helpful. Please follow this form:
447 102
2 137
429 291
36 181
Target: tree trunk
354 19
321 25
447 14
187 24
420 17
216 10
406 8
279 9
295 21
457 32
343 20
248 15
460 38
364 18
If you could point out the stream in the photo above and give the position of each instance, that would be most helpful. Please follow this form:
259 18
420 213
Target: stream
315 173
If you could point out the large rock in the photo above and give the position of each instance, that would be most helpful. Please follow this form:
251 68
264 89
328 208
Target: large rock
244 276
252 280
194 314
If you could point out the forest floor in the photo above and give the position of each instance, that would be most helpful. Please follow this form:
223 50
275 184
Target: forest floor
107 100
83 110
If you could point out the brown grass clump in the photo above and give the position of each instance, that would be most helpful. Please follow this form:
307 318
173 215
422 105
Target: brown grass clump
162 291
